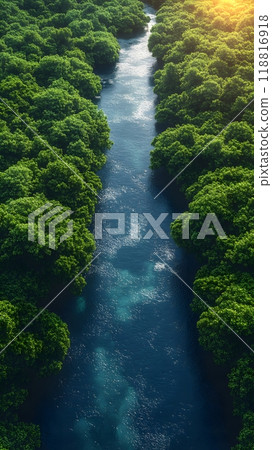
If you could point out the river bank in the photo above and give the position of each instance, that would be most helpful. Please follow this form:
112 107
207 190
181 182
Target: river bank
133 377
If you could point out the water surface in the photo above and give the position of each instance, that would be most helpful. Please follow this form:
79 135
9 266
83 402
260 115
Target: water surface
133 378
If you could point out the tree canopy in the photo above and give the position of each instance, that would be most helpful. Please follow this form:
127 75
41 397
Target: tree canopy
50 51
205 85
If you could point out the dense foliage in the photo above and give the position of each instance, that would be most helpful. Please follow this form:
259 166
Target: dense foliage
48 51
205 52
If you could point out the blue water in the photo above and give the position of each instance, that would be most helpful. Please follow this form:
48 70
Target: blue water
133 378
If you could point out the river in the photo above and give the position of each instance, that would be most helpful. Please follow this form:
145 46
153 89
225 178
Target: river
133 378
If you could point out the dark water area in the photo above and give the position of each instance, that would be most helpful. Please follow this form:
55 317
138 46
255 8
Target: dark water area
135 377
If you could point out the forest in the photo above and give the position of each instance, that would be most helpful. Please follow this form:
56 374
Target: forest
204 50
49 52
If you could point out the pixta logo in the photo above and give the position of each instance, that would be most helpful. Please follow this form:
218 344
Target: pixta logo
43 218
210 225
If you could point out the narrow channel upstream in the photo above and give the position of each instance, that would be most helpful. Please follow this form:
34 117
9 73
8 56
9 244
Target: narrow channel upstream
133 378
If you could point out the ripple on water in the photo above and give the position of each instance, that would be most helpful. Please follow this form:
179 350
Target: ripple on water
115 399
131 380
